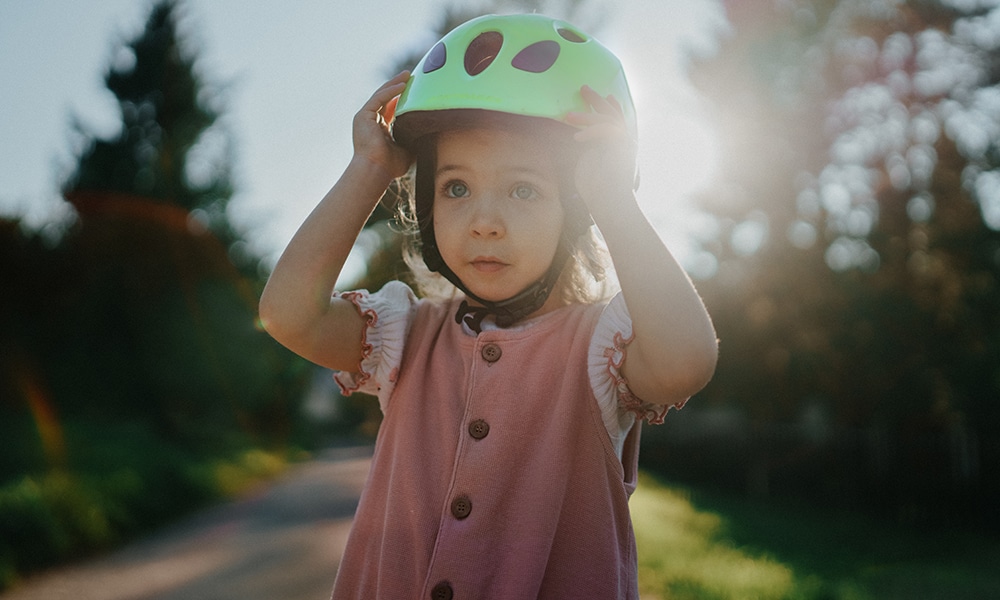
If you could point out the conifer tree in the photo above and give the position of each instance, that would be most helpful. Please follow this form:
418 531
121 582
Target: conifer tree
166 109
161 321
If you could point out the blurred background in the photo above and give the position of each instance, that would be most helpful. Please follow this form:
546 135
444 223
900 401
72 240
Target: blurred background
827 171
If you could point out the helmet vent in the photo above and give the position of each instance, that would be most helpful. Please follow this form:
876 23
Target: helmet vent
435 58
538 57
482 51
571 36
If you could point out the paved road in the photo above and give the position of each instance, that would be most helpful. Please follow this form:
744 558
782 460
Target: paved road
283 542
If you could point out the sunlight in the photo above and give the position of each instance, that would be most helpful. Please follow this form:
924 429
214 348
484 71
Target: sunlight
680 150
683 549
678 146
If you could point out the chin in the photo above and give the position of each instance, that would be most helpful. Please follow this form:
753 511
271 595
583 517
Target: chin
490 297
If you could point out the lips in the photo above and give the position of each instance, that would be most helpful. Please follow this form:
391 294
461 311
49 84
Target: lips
487 264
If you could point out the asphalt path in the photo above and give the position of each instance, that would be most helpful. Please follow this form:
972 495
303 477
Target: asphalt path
283 541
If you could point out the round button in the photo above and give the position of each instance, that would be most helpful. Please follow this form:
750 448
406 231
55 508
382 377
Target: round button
491 352
479 429
461 507
442 591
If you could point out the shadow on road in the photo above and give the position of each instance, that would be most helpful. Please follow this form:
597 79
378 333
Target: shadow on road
284 541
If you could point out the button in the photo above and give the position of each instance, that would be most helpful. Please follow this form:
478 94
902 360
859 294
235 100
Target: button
442 591
491 352
461 507
479 429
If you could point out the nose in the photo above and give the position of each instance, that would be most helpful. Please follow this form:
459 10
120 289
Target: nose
487 220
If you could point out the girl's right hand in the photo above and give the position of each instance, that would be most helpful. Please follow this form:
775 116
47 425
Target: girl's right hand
372 141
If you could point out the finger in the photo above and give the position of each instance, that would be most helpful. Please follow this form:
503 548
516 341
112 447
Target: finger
615 104
387 91
401 77
588 119
600 131
580 119
388 112
590 97
605 105
383 96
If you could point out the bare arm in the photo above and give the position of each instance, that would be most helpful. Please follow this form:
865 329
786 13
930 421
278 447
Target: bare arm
296 306
674 351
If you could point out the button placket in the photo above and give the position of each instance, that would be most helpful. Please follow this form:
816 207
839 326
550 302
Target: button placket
461 505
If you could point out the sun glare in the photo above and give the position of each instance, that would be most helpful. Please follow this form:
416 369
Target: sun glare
678 146
680 151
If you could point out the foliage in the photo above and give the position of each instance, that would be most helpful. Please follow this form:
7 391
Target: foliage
857 248
122 480
695 544
138 326
140 310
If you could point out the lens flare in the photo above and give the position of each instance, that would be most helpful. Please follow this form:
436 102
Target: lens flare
49 429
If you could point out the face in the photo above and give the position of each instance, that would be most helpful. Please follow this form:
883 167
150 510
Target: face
497 213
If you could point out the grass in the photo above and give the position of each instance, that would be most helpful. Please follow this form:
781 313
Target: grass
697 545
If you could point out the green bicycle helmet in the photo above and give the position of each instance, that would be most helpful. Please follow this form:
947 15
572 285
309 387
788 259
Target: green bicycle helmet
524 68
528 65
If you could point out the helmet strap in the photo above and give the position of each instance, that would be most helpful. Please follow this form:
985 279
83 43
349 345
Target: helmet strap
513 309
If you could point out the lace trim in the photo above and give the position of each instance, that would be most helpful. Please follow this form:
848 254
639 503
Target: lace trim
652 413
352 382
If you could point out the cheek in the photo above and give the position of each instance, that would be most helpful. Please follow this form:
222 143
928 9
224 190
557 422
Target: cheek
446 231
443 222
548 219
544 228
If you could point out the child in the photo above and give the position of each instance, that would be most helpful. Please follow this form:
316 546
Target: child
512 409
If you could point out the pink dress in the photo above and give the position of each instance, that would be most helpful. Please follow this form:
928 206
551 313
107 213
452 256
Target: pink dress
494 474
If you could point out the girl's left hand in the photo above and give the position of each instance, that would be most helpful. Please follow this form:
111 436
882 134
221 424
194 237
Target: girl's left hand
606 167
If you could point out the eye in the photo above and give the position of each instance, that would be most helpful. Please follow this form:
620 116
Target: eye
523 191
455 189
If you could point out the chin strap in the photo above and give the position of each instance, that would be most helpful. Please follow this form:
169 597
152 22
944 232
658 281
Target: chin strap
513 309
472 316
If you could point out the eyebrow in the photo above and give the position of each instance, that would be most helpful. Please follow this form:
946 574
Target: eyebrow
448 168
519 170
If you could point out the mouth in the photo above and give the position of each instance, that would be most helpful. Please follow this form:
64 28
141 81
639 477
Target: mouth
487 264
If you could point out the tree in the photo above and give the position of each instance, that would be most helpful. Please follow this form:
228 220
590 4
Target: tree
158 320
168 115
858 240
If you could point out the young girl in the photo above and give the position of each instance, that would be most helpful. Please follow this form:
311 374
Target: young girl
512 408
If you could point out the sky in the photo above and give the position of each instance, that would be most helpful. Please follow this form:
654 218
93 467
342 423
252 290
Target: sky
295 73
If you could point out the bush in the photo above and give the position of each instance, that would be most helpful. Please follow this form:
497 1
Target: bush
121 479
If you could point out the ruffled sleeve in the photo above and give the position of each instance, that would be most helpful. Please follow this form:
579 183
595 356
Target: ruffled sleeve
620 408
387 315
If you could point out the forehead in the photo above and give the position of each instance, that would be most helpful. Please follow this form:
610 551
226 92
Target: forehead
497 146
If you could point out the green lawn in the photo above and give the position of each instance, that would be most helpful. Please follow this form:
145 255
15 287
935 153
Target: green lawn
698 545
